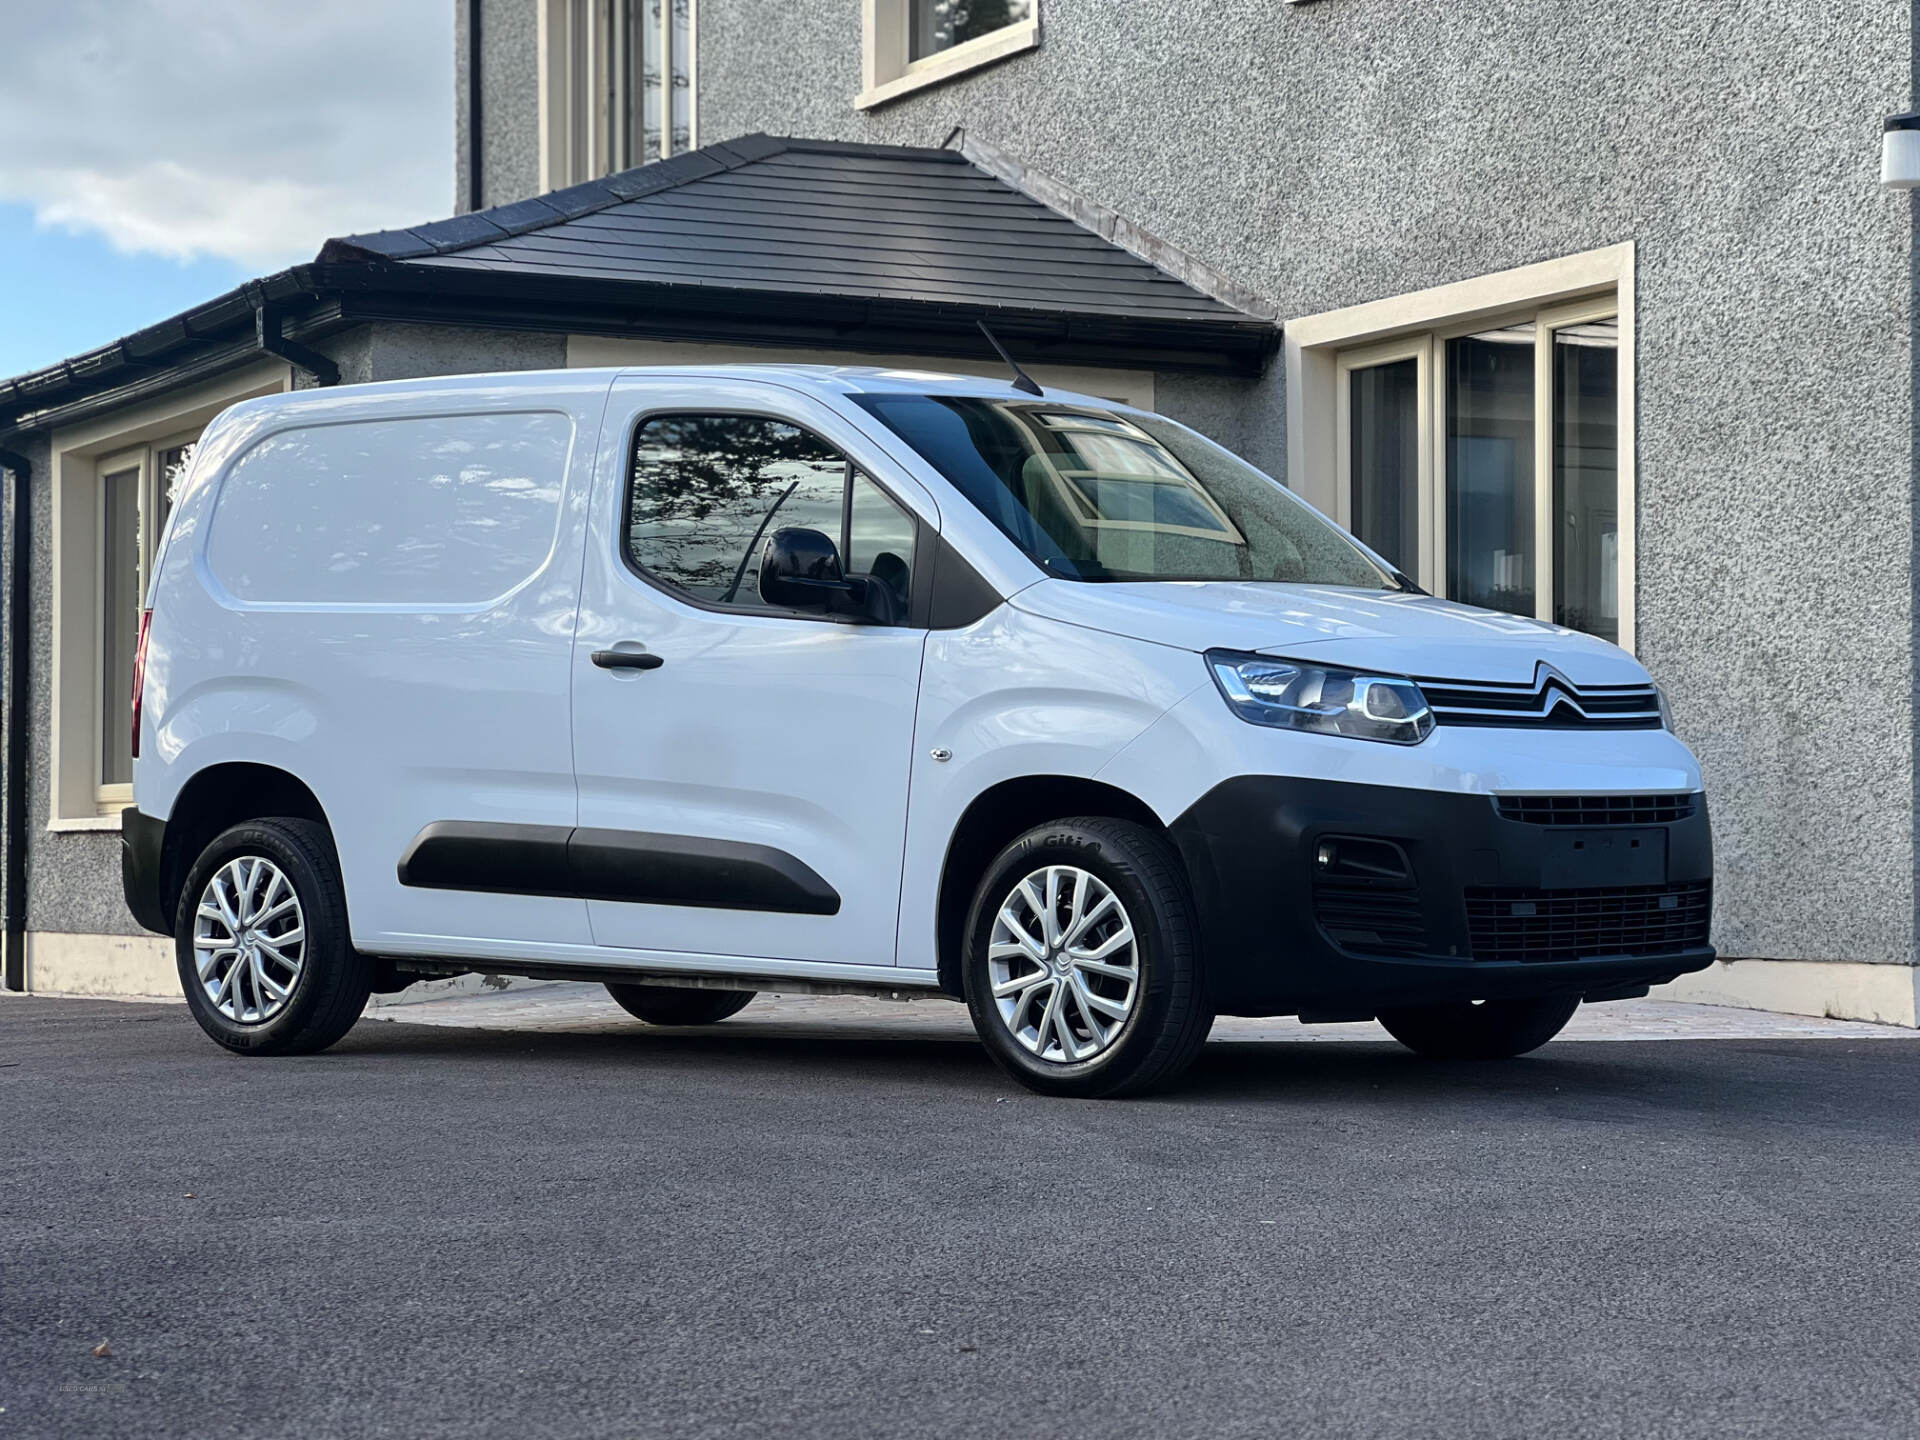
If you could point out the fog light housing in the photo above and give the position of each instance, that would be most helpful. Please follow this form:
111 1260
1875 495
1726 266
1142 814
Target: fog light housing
1361 857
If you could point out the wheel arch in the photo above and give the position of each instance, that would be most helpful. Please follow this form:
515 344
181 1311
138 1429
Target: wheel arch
220 797
991 821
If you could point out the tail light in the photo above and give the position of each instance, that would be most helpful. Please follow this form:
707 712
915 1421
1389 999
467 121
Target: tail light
139 676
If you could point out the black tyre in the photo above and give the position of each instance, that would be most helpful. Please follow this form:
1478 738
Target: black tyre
1082 968
676 1005
262 944
1484 1030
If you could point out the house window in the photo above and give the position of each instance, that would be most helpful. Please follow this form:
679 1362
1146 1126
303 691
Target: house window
616 86
114 482
910 44
136 492
1485 464
1479 436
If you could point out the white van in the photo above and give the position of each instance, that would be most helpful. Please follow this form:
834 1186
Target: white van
698 682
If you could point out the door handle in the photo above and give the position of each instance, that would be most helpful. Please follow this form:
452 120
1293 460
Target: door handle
627 660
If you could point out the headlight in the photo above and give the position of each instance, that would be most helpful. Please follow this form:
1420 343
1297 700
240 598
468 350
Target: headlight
1294 696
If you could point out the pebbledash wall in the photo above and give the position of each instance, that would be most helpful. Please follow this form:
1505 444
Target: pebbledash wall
1341 152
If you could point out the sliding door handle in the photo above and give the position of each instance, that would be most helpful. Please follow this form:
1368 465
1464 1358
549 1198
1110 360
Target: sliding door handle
627 660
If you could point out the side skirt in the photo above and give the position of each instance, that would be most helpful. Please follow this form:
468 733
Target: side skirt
427 968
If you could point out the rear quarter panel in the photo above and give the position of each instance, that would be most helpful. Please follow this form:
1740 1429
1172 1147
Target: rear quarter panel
394 714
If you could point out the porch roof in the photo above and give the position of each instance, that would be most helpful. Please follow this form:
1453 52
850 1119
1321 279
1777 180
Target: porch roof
761 240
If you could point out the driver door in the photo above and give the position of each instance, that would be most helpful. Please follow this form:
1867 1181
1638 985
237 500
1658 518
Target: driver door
742 767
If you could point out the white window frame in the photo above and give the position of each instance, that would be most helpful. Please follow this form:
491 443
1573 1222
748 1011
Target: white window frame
82 456
887 73
1322 352
565 93
145 461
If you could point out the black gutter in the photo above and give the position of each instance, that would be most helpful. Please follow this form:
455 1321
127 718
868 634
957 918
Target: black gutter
13 918
269 322
475 187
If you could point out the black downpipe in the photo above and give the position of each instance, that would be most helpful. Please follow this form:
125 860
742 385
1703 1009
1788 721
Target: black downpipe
269 322
476 189
13 945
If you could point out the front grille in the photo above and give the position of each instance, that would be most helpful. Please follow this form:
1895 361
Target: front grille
1370 920
1549 701
1516 923
1596 809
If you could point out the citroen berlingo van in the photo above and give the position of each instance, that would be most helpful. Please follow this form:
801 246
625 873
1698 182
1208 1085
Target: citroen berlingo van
699 682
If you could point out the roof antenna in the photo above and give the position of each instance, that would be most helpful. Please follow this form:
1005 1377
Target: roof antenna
1021 380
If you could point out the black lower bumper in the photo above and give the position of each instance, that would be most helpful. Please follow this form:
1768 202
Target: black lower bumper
1341 899
142 846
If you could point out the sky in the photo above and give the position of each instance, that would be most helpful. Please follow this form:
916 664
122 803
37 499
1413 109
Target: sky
154 153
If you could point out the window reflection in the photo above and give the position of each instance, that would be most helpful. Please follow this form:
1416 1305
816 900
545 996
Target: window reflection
1586 485
1490 469
938 25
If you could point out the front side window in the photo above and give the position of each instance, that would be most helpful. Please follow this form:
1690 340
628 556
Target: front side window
1093 495
706 492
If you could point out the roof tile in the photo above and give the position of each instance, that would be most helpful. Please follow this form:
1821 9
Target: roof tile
812 216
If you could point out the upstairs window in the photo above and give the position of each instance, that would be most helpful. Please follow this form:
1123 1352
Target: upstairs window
910 44
616 86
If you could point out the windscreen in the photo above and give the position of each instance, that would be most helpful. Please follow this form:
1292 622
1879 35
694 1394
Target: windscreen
1094 495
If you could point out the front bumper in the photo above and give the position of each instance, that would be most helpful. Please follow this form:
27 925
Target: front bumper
1490 907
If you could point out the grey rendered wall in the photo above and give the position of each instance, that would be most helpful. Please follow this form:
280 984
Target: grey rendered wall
1346 150
509 102
73 879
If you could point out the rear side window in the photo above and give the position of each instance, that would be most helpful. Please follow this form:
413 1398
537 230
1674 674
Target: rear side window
449 510
706 491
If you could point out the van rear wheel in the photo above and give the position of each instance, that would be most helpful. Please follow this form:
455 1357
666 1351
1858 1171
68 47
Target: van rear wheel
1082 970
1484 1030
261 941
677 1005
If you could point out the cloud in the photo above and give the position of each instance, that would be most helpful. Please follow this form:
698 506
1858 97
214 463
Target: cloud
244 130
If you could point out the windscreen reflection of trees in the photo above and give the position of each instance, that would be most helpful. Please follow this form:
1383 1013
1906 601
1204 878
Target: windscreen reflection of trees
702 485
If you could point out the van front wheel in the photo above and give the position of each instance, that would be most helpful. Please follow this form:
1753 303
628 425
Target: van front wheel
1480 1030
1082 971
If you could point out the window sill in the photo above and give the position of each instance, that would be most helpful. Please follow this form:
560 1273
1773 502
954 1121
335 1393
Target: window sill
77 824
949 64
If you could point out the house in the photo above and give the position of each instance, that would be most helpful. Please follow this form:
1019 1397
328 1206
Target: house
1588 314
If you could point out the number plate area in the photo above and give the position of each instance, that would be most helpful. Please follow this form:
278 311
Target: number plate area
1576 859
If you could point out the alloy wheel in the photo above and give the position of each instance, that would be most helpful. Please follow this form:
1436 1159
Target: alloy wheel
1063 964
249 939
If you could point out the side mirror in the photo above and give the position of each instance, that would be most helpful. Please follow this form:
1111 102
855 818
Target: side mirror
800 570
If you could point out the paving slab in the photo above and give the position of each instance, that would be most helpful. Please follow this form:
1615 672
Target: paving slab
569 1007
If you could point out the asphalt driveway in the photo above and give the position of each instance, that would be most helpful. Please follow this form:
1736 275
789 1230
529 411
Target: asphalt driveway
438 1231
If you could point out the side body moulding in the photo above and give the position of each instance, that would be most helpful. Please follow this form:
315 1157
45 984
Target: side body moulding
628 866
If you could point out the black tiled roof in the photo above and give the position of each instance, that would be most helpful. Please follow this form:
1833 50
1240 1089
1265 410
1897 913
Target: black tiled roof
803 243
808 217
